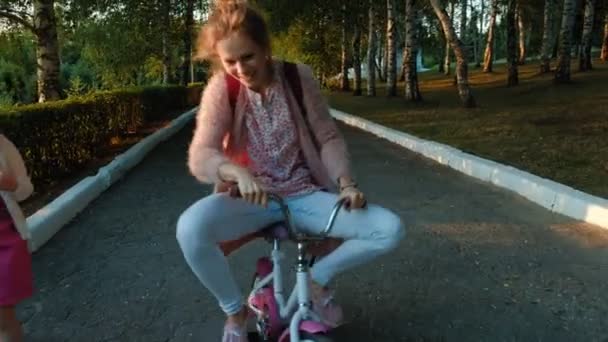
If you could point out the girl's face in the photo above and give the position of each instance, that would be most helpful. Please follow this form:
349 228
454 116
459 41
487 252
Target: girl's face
245 60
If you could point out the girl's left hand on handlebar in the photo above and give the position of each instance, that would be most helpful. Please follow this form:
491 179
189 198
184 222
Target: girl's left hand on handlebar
254 195
354 198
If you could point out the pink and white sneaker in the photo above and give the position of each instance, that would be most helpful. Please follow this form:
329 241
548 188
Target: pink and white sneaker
324 304
235 333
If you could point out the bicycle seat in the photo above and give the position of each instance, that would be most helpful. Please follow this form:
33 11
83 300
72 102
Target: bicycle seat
280 232
277 231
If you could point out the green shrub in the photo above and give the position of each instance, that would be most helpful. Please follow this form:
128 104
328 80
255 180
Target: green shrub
60 137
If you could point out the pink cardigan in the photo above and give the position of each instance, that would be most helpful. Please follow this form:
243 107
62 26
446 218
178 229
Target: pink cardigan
220 136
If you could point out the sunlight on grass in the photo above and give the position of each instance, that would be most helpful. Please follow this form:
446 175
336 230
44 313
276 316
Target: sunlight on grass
555 131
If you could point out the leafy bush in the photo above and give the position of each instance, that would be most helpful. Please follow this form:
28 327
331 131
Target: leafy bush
57 138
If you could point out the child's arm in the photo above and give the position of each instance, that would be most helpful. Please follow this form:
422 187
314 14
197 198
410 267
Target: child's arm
16 168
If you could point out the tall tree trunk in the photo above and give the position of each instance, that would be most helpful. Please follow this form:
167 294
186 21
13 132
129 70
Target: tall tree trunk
479 34
165 8
555 45
189 23
384 59
371 52
521 30
447 62
412 92
464 39
562 74
382 42
604 54
475 40
512 78
440 51
545 54
345 85
47 50
357 57
441 64
464 90
463 22
391 47
401 77
556 29
585 57
380 61
488 56
380 50
192 79
494 49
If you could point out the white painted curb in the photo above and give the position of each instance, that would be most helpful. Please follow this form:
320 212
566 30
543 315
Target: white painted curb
48 220
554 196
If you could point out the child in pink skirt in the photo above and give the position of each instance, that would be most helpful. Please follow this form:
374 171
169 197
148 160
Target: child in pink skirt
15 259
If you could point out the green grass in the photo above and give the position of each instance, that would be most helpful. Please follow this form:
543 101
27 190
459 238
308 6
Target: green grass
558 132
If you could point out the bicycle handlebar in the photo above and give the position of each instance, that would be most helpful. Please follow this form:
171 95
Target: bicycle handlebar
287 214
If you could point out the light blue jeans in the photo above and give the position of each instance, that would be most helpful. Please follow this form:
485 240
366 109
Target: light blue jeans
368 233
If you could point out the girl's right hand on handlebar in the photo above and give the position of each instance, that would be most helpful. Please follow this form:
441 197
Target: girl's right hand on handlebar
248 187
251 191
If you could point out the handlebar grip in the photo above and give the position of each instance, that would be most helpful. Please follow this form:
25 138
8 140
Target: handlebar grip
234 191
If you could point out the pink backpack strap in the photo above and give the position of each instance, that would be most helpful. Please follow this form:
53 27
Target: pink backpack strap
293 78
234 87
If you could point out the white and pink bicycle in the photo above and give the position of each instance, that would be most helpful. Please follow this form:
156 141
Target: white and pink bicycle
277 317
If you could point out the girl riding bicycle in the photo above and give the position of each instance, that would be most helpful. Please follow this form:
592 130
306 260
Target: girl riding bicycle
265 142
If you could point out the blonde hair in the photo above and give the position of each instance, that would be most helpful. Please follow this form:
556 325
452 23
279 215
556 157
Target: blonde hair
227 17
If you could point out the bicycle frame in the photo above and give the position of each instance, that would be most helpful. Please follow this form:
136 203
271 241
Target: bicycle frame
299 300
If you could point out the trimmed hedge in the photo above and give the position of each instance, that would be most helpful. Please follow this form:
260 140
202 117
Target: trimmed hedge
60 137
